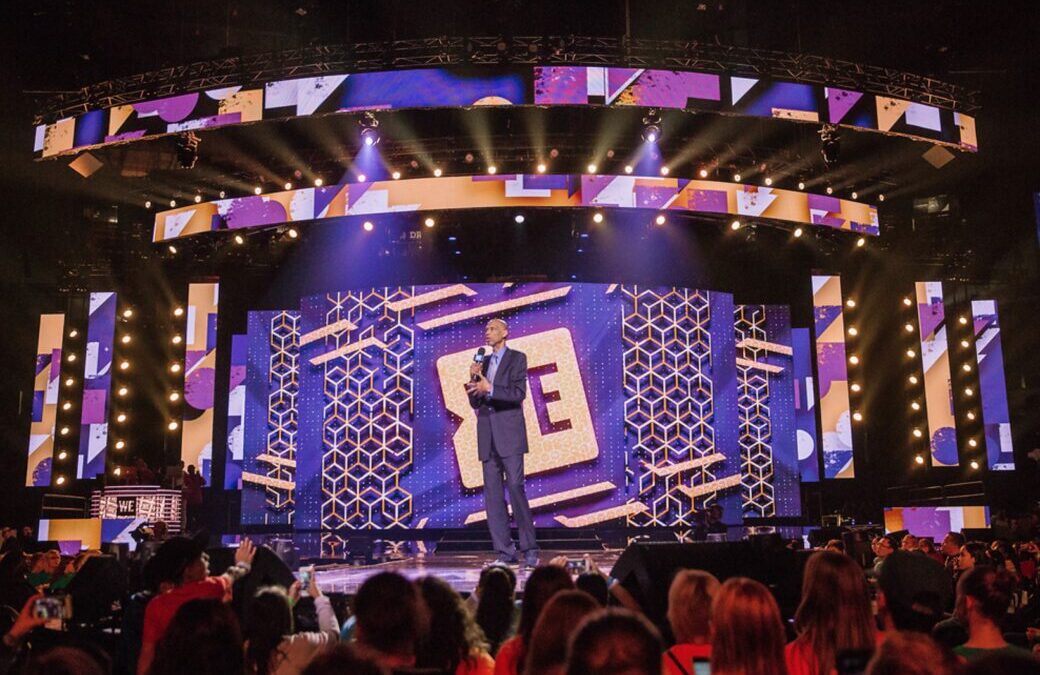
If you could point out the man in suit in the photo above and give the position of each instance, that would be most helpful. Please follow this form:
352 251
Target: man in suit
497 391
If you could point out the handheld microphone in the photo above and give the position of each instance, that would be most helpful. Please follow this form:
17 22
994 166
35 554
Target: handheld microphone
478 358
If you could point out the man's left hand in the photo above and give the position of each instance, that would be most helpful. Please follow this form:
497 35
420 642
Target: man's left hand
479 388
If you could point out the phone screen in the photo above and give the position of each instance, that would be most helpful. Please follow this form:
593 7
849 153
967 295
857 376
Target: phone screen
701 666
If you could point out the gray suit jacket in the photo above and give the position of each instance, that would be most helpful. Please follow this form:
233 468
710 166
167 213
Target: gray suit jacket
501 418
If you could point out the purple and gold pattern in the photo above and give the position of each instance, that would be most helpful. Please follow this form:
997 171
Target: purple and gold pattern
45 400
1000 455
511 86
835 414
935 360
516 191
236 426
200 361
97 382
805 406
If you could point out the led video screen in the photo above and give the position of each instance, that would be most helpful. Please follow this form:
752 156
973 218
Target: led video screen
935 521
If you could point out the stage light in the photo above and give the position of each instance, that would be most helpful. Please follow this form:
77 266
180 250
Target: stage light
175 367
429 222
437 172
736 178
801 185
965 344
395 175
854 360
60 480
665 170
123 391
318 182
915 406
881 197
850 303
660 219
125 339
972 442
597 217
974 464
288 186
735 225
703 173
540 168
966 367
71 358
179 311
66 405
628 168
911 353
174 396
768 181
855 195
830 144
198 199
173 203
121 417
919 459
172 426
852 331
908 302
148 204
222 194
968 391
909 328
830 190
970 415
239 239
257 190
361 178
65 431
492 169
127 313
519 219
591 168
861 242
367 225
912 379
63 455
117 471
855 386
172 249
125 365
369 133
120 445
918 433
69 382
963 320
858 416
73 333
797 232
651 134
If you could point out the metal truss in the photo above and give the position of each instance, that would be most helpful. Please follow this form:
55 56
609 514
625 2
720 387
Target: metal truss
546 50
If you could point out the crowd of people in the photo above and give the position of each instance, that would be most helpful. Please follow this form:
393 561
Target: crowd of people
962 606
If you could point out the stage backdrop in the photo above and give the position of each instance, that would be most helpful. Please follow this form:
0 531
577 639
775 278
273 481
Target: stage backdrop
645 405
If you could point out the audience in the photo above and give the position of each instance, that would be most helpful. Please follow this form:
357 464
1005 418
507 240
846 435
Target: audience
913 592
911 653
454 642
202 639
747 632
560 617
834 615
883 547
689 616
972 554
273 647
951 550
496 612
614 642
983 597
341 659
391 620
543 583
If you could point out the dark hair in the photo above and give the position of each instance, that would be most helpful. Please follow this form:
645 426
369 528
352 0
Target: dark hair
389 614
495 608
203 638
990 588
614 641
66 660
544 582
268 620
342 658
834 613
558 621
595 585
956 538
999 664
978 551
911 653
748 634
454 637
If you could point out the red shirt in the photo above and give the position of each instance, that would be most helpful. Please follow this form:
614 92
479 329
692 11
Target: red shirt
160 611
508 657
684 653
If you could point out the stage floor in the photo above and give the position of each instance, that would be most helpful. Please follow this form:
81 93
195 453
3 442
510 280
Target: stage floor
461 570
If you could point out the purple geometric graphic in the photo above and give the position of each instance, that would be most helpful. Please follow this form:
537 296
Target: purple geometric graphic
996 420
97 382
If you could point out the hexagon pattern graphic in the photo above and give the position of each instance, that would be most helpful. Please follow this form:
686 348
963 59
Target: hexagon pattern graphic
756 434
668 399
367 403
282 412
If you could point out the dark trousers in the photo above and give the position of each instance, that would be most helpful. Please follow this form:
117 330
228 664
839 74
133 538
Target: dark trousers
507 472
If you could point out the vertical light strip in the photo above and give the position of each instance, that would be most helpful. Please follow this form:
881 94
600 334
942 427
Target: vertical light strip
992 389
804 406
45 400
200 361
935 361
97 385
236 427
833 375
